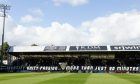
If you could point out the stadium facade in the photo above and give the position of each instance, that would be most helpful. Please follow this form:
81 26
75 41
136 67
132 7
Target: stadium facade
110 58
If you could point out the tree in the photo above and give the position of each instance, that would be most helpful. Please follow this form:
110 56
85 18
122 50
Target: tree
5 48
34 44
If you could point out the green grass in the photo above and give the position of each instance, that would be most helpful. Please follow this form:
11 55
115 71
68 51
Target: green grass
68 78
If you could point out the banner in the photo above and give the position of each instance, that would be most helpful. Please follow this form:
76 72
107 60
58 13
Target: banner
87 48
125 47
72 68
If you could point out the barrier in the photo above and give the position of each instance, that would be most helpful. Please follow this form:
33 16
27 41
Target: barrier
108 69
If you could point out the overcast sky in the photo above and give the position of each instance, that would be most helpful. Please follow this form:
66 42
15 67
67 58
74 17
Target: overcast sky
72 22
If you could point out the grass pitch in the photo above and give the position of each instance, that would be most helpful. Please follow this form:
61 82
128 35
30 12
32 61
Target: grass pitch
68 78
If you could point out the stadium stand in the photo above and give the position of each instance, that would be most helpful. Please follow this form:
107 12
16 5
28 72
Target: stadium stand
125 56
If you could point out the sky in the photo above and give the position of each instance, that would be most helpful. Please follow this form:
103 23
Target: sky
72 22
